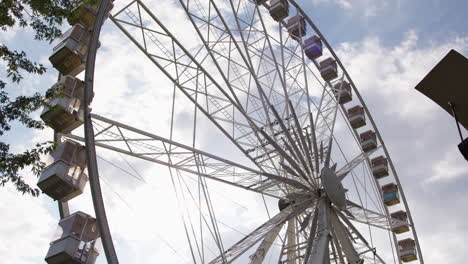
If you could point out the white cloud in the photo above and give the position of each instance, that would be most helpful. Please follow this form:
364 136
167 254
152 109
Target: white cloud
367 8
420 136
27 227
449 168
391 73
341 3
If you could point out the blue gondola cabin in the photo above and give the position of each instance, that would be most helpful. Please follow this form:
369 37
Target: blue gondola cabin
313 47
390 194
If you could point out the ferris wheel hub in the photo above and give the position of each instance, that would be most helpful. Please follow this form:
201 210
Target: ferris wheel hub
333 187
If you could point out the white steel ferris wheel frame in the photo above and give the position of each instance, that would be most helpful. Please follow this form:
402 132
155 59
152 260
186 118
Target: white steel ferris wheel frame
330 225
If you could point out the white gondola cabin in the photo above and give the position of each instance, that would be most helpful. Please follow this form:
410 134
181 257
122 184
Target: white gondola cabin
407 249
69 56
74 241
296 27
313 47
379 167
401 225
64 176
390 194
65 113
328 69
356 116
279 9
85 14
368 140
342 91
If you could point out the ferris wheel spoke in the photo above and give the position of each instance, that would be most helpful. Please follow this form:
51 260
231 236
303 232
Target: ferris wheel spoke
249 40
248 62
259 255
369 217
325 119
235 82
193 79
137 143
293 244
327 116
336 252
296 88
306 148
255 78
344 171
365 246
261 232
287 157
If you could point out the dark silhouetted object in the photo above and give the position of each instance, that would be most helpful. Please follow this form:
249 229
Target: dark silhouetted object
463 147
446 85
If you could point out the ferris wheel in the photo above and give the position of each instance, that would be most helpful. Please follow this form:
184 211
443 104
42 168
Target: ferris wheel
294 124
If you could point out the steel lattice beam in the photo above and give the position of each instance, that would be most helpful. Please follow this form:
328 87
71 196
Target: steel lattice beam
134 142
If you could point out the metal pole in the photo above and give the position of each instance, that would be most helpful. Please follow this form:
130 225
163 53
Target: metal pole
452 106
64 210
94 183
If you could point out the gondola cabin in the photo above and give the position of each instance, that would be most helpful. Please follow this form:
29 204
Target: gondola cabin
401 225
64 176
342 91
379 167
296 27
65 113
313 47
85 14
368 140
356 116
328 69
74 241
279 9
407 249
69 56
390 194
260 2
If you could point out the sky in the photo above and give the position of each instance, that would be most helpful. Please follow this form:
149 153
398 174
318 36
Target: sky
386 46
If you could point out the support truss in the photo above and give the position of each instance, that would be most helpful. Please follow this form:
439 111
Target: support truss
125 139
